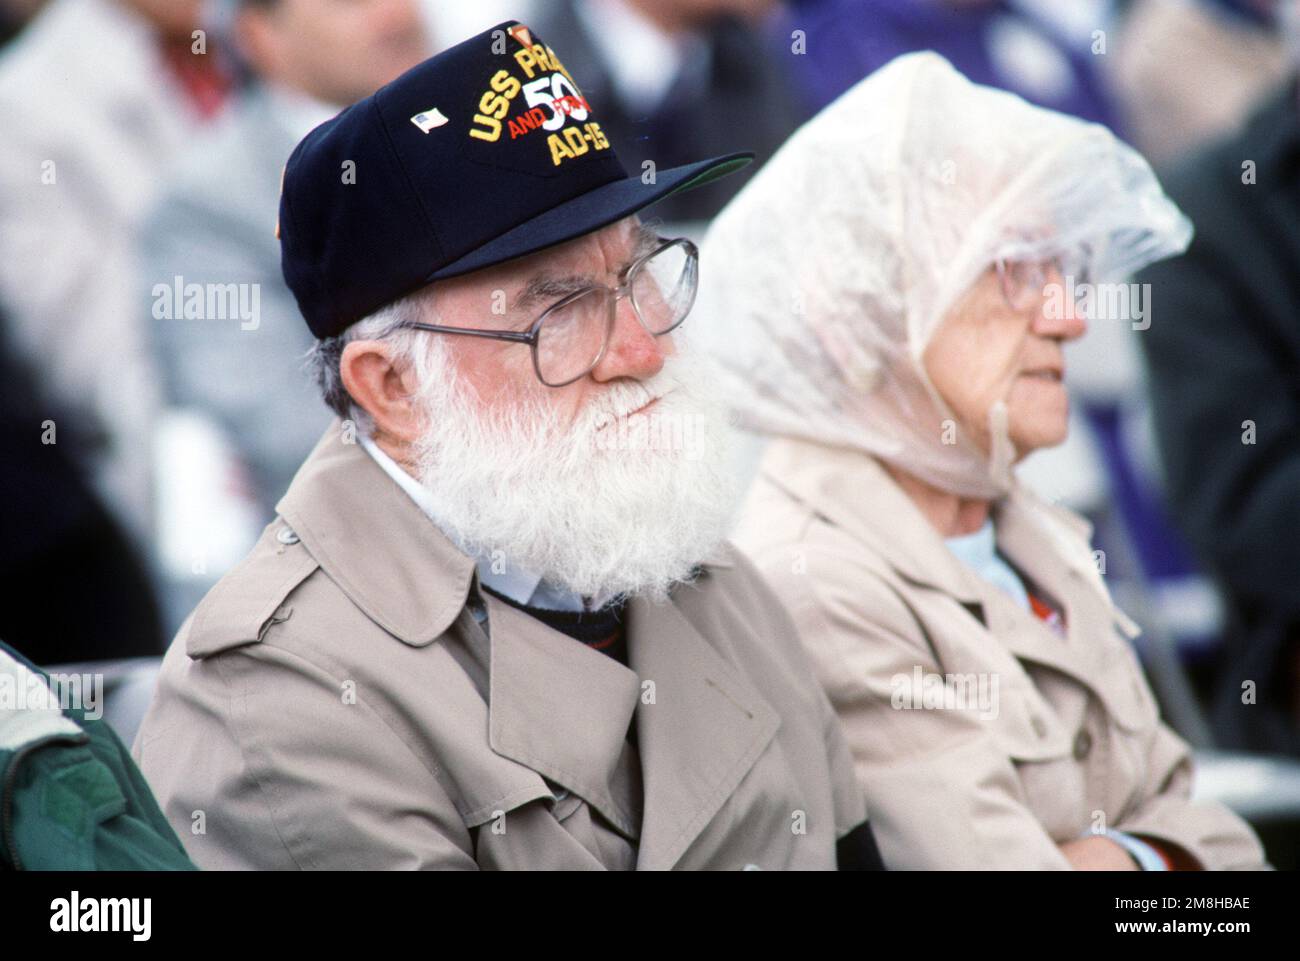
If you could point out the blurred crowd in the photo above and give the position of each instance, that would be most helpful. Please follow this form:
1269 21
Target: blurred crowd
148 432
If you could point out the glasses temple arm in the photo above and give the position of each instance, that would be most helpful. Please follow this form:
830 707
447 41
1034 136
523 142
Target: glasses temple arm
511 335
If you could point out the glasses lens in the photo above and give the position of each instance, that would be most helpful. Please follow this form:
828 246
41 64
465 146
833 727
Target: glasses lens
663 289
1023 282
572 336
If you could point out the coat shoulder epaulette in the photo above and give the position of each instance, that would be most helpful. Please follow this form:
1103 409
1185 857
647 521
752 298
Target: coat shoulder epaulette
250 597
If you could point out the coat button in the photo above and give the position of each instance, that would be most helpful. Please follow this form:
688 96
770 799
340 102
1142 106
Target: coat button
1082 745
287 536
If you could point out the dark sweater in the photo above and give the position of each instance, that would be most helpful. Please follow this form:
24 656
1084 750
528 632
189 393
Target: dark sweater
601 630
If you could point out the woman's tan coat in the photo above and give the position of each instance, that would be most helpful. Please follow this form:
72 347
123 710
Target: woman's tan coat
1036 739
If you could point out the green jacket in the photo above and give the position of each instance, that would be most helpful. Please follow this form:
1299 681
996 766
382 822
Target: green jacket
71 799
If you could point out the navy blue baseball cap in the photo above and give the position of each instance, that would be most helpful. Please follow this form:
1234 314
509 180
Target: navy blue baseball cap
484 153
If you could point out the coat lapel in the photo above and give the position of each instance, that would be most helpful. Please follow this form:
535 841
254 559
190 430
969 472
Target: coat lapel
852 490
1052 547
563 709
700 728
1025 541
1026 637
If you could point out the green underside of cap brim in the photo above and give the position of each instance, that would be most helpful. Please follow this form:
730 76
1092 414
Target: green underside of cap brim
710 175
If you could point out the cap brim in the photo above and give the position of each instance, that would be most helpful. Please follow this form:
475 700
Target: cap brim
591 211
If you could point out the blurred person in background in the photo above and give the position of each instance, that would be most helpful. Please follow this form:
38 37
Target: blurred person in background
1035 48
895 287
98 98
676 79
79 591
1224 357
14 15
210 226
1170 107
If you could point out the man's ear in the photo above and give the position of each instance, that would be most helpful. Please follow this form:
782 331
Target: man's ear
381 387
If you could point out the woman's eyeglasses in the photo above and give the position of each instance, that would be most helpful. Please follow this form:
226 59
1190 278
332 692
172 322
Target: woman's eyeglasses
1024 282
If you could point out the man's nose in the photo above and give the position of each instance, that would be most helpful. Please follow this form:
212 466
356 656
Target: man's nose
1065 323
632 350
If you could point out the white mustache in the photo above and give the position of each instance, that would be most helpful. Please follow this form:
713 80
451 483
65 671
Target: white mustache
625 400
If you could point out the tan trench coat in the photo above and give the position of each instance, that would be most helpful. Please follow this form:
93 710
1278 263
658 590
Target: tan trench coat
1076 743
333 703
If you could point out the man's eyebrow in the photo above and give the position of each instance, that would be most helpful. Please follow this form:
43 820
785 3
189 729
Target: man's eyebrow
543 287
546 287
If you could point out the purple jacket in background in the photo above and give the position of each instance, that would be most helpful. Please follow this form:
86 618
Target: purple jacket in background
848 39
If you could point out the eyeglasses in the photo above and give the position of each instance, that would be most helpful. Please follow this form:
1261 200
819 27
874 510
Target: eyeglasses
570 337
1024 282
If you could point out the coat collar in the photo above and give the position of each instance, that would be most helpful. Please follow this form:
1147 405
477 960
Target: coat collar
1053 546
562 709
374 542
1029 545
853 490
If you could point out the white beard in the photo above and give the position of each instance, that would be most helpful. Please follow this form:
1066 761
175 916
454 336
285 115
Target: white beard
628 509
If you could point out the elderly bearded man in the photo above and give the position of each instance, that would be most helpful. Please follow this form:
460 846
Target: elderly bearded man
487 630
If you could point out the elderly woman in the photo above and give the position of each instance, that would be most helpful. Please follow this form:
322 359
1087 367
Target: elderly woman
892 289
